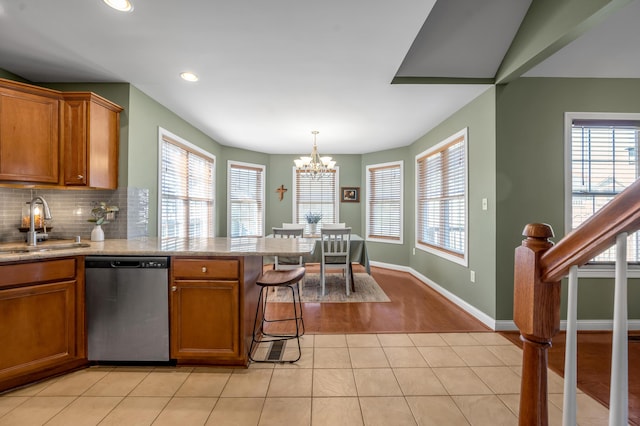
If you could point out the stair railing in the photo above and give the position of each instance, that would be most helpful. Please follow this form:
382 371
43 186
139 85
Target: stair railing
539 267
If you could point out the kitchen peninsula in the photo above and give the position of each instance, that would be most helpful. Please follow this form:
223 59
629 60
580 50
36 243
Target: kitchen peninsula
211 291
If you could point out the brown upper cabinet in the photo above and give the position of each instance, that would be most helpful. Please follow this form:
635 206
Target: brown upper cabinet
29 133
48 137
90 137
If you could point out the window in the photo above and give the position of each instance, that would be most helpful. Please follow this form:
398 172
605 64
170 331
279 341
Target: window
186 189
604 161
384 202
441 199
245 199
316 196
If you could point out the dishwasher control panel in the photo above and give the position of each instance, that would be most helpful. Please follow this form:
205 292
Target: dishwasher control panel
142 262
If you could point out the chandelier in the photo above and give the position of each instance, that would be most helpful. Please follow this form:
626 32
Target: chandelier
315 166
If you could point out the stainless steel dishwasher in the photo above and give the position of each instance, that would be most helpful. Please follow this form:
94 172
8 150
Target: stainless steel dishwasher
127 302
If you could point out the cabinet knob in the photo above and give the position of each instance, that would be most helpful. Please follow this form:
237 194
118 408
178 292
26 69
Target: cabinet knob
80 177
174 288
204 269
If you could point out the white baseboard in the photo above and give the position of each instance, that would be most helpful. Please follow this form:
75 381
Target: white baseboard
391 266
498 325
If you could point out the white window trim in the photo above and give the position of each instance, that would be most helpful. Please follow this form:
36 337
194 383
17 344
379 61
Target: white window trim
336 201
593 270
165 133
264 180
376 166
464 260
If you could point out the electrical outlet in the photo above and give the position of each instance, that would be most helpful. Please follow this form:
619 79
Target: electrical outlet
472 276
414 251
485 204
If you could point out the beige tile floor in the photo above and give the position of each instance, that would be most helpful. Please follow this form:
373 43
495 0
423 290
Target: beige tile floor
359 379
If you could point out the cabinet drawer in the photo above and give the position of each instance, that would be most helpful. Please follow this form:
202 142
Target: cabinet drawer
201 268
37 272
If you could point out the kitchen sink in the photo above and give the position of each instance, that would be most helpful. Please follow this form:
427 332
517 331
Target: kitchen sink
13 251
41 248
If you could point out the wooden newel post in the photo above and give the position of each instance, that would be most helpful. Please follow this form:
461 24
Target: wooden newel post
536 312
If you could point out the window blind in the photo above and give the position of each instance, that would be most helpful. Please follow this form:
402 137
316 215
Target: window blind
441 197
603 163
186 191
316 196
384 198
246 200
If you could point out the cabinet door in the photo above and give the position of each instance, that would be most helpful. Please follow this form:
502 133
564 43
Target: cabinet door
74 135
91 135
205 320
38 328
28 137
104 131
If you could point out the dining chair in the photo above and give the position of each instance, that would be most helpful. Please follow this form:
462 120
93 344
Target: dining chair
334 225
292 226
335 254
282 262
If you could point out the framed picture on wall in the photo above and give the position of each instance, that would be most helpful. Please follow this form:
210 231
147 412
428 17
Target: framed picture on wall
350 194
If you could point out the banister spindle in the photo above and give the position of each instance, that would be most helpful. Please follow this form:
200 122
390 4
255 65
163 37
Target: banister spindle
536 312
619 389
571 352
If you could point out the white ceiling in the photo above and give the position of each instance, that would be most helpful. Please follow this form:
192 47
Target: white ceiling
271 72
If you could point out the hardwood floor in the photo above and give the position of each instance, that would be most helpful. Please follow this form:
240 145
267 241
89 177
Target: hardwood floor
415 307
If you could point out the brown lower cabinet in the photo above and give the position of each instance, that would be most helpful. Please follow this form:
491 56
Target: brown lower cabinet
212 303
42 322
42 314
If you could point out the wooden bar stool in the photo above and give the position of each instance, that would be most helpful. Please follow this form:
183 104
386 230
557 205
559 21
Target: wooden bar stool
272 279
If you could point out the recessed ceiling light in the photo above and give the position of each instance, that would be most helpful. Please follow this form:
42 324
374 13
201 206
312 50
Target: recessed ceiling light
121 5
189 76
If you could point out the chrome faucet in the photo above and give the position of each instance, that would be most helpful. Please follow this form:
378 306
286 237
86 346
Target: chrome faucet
32 235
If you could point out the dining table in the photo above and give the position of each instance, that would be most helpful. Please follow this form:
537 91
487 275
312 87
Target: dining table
357 251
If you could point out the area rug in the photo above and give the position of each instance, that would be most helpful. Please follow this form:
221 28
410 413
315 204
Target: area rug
367 290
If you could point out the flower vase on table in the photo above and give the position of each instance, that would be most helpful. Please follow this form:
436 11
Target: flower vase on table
313 219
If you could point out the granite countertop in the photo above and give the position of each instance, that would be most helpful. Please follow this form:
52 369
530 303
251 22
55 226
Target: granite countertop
10 252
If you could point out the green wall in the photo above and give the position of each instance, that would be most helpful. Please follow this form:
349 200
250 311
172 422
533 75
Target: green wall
479 117
145 116
395 254
280 172
235 154
11 76
530 171
516 161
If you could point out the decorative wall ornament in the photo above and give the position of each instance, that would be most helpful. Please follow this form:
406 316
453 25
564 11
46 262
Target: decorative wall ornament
281 191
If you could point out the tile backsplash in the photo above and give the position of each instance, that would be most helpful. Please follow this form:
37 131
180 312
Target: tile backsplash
71 210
